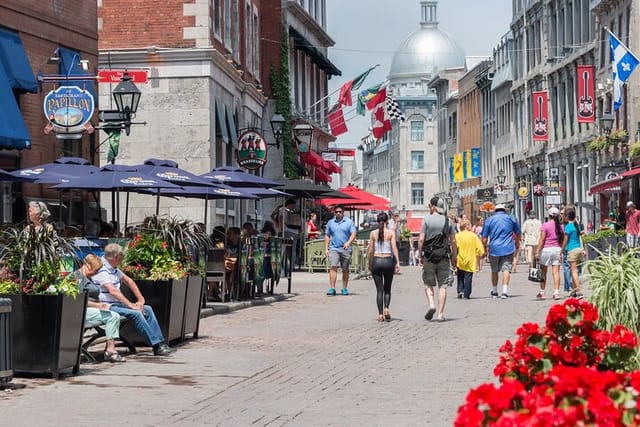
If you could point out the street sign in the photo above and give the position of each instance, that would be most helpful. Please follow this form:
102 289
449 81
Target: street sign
115 76
343 152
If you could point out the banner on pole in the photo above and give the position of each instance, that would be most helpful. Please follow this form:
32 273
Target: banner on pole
540 115
586 94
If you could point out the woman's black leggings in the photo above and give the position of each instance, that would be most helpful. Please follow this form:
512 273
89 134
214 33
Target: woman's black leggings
382 270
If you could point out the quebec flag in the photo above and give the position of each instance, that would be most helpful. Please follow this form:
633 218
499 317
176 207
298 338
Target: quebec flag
623 62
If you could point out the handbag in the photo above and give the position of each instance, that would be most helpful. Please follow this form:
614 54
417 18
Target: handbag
535 274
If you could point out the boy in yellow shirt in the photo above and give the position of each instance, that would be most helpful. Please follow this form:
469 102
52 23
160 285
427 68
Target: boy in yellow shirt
469 249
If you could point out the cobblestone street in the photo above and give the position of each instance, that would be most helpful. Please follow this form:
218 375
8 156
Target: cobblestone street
309 360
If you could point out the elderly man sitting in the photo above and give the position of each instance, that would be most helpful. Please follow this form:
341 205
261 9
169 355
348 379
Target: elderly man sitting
109 279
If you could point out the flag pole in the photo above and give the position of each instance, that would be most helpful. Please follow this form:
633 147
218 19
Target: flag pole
619 41
337 90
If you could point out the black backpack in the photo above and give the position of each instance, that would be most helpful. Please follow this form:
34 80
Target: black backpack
437 248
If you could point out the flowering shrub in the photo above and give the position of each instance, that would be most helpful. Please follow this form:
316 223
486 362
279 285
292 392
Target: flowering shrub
146 257
567 373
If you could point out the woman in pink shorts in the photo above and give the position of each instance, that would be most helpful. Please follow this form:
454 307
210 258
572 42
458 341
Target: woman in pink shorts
549 252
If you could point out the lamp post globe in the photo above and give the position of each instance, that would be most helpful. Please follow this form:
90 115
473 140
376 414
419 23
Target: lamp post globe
606 123
127 95
277 126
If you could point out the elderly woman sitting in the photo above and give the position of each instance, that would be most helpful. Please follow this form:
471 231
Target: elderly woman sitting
97 312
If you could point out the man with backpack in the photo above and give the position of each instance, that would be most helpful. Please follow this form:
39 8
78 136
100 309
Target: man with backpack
501 235
438 256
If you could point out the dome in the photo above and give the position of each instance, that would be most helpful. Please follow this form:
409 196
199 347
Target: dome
426 50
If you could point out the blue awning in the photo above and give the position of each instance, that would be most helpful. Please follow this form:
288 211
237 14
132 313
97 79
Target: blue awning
16 63
222 121
70 66
231 122
13 130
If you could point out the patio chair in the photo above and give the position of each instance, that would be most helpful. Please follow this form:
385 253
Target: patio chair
215 274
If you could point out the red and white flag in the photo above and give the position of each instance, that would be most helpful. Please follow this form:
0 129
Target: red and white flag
381 123
586 94
336 120
540 115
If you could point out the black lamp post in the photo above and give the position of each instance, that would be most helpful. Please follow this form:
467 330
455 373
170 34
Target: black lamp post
606 124
501 178
448 199
277 125
127 97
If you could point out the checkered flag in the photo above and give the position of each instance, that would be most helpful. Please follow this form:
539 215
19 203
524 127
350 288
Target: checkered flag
393 109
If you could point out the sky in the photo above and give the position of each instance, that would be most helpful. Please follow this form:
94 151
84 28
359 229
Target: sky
368 32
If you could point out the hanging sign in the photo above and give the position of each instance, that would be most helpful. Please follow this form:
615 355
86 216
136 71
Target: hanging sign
252 150
115 76
540 116
586 94
68 110
475 163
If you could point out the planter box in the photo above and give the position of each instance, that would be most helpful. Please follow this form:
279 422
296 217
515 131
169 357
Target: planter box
47 333
192 300
167 298
592 249
403 252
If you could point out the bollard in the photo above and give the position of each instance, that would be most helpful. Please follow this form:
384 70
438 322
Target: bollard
6 366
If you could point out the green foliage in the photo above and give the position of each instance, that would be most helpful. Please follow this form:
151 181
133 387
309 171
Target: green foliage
599 143
615 284
618 135
33 261
634 149
281 87
405 233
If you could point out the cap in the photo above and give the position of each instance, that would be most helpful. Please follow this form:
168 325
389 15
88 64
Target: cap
630 203
500 207
554 211
612 214
532 214
440 206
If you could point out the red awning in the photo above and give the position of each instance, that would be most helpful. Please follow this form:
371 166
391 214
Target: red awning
630 173
331 167
414 224
312 158
322 176
610 186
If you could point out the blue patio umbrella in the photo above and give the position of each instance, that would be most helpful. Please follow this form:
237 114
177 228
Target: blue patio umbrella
59 171
116 178
236 177
168 170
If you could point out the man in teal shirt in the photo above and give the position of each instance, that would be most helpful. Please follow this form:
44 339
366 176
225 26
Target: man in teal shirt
340 233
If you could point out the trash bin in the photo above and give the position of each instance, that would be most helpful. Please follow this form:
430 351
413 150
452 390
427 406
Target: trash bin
6 366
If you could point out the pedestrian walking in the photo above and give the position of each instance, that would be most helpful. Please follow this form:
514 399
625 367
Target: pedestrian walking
549 252
470 249
572 244
501 239
438 256
531 234
478 230
632 228
383 263
340 233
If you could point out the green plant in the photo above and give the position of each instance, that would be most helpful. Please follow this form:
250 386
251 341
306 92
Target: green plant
405 233
618 135
634 149
35 261
615 284
599 143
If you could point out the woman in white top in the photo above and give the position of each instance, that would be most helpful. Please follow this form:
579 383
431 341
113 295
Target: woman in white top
382 244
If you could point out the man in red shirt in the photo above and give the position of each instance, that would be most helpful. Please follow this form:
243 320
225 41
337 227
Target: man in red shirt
633 225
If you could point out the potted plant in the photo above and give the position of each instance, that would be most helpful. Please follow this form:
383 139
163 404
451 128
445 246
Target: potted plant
163 259
47 309
404 245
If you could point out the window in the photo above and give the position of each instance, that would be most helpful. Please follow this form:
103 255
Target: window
417 160
217 18
417 193
235 30
227 24
417 131
248 55
256 45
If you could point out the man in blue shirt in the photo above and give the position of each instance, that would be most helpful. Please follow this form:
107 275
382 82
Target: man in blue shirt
340 233
501 235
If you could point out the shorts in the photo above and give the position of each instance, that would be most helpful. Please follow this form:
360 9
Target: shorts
576 255
501 263
340 258
550 256
439 273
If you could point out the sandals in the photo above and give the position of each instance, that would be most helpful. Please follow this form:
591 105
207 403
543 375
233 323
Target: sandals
387 315
114 357
381 318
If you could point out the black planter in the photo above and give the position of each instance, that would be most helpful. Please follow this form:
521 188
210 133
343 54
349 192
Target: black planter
592 249
167 298
192 306
403 252
47 333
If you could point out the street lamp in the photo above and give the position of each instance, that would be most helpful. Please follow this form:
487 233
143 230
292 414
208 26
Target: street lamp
449 199
303 133
277 125
501 178
127 97
606 124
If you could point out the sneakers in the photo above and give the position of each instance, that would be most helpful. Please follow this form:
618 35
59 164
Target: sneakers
556 296
540 295
504 296
460 295
344 292
162 350
494 294
331 292
576 295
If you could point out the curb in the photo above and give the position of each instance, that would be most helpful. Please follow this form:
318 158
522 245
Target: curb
213 309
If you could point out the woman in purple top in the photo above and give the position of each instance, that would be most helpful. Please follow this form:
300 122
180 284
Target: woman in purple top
549 252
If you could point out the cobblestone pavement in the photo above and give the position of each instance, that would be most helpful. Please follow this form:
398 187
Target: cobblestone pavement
308 360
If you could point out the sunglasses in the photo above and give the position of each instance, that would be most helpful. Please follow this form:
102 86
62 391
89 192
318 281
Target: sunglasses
338 212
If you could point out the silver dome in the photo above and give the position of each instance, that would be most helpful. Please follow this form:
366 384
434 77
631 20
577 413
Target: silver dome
426 50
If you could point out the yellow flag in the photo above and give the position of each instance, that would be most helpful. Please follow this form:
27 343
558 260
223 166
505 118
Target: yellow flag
458 171
467 158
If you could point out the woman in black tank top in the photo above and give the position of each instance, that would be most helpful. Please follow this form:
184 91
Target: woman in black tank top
382 244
